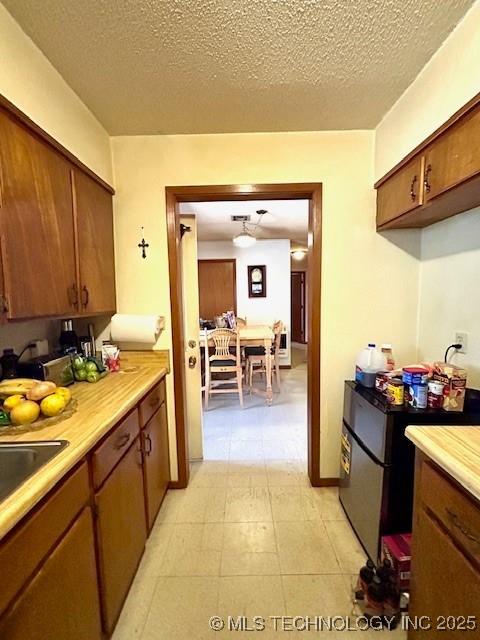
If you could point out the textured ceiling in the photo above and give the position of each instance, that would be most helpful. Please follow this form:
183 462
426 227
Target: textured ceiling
207 66
286 219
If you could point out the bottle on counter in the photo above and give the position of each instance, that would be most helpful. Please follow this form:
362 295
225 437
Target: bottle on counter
369 362
68 339
388 353
9 362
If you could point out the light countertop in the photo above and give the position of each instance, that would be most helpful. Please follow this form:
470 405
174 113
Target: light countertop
456 449
100 407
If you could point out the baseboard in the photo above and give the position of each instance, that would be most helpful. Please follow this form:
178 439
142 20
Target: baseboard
176 484
326 482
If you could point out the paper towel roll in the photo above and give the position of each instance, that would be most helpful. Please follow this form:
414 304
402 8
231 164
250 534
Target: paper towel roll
133 328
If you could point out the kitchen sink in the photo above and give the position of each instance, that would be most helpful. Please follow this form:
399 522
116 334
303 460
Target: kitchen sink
20 460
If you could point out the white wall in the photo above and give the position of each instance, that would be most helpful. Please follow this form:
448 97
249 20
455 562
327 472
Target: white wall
449 296
30 82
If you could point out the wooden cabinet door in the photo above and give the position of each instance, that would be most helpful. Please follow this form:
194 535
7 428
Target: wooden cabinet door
96 259
121 532
37 228
401 193
217 288
438 565
61 601
454 156
156 462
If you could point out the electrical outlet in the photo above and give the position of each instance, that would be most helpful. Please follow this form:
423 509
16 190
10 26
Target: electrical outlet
461 338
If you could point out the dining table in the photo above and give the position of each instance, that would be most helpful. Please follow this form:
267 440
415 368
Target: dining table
253 335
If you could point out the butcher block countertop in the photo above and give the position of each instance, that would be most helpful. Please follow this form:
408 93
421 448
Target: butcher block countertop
456 449
100 407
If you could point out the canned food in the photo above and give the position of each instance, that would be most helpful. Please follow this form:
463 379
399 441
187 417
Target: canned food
395 392
435 394
416 396
415 375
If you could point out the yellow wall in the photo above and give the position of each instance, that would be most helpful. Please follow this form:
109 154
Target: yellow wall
29 81
449 296
369 281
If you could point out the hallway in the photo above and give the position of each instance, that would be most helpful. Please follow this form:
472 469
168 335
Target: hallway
249 536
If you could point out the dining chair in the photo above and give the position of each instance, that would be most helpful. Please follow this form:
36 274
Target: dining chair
226 358
256 357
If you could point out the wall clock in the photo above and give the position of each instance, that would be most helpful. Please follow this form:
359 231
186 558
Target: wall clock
257 281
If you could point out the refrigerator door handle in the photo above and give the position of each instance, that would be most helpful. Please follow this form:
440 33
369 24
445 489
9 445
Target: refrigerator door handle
371 455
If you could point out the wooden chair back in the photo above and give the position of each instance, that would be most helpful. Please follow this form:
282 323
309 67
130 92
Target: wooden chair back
222 341
277 331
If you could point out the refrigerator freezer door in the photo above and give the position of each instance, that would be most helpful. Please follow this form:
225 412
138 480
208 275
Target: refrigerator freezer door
361 490
370 426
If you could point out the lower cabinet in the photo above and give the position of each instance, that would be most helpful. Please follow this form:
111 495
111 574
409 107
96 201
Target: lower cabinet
61 600
121 532
156 462
445 558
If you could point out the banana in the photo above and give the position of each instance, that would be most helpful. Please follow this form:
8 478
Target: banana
15 386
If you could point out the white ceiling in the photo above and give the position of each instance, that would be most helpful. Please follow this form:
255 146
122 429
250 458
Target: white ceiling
208 66
286 219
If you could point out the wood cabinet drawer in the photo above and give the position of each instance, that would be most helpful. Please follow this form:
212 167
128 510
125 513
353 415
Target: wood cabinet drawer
28 544
459 514
152 402
401 193
115 445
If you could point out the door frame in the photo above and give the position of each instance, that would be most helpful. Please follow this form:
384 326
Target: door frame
234 260
304 315
290 191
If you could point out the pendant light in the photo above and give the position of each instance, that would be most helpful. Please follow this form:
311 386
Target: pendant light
244 239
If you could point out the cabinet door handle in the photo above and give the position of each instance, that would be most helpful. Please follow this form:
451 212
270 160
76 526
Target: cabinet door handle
85 296
458 524
148 441
426 181
413 195
123 441
154 401
73 295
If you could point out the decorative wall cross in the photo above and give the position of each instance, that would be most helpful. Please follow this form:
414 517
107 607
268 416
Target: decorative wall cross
143 245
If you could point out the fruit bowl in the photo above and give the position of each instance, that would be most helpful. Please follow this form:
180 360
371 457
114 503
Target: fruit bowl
41 423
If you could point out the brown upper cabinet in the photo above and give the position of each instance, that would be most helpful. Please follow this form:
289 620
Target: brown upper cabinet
37 225
402 193
96 259
56 225
438 179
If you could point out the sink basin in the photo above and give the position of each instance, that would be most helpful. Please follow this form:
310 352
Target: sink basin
20 460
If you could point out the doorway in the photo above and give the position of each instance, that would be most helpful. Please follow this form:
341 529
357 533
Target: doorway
310 192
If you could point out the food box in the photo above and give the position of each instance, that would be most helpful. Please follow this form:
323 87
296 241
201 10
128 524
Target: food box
397 549
454 380
381 381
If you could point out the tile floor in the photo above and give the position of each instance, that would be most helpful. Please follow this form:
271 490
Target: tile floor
249 537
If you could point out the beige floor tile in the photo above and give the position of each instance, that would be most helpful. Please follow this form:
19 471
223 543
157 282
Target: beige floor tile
181 608
249 537
285 473
248 505
305 548
246 473
250 564
208 474
329 504
294 504
251 596
246 450
170 505
201 505
193 550
316 595
135 610
155 550
348 550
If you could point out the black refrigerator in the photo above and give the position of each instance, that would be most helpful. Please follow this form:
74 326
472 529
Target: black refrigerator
377 461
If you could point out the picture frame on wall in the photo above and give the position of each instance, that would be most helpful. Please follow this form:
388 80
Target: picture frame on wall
257 281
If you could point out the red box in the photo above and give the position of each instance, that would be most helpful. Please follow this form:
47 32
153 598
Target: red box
397 549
